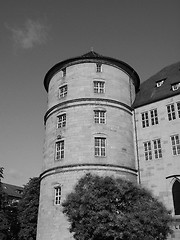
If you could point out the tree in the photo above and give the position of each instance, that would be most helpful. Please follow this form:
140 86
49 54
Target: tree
105 208
4 223
28 210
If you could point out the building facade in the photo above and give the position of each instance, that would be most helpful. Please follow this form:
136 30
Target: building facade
157 131
99 121
89 128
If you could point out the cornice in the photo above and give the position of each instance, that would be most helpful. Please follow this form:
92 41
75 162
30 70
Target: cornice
87 101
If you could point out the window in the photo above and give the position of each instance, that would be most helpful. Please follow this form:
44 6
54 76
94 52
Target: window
175 86
57 195
100 147
61 120
160 83
64 72
178 108
98 67
157 148
63 91
175 144
147 150
171 112
154 116
145 119
176 197
99 116
99 87
59 150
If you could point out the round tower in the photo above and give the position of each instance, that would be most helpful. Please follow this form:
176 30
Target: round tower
88 129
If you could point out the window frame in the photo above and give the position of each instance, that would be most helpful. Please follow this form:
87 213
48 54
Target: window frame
175 144
59 150
63 93
100 146
147 150
57 195
157 147
154 117
100 116
178 108
100 88
98 67
145 119
61 120
63 72
171 112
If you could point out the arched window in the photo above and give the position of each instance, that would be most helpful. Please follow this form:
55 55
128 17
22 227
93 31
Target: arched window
176 197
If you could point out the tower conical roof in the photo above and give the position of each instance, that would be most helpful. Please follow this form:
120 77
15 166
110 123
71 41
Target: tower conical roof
92 57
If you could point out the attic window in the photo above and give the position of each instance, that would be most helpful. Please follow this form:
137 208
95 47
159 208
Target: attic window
175 86
160 83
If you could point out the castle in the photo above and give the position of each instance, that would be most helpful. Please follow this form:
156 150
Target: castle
100 120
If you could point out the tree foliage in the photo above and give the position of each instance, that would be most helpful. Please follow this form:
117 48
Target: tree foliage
104 208
28 210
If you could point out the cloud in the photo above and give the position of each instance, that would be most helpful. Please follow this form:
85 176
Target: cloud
31 34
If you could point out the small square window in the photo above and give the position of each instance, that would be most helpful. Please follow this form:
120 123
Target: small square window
98 67
59 151
63 91
99 116
61 120
99 87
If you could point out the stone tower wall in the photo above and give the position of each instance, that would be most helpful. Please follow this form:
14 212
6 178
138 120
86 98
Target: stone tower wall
78 135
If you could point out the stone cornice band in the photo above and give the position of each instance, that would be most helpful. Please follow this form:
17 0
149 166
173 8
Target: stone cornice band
88 167
87 101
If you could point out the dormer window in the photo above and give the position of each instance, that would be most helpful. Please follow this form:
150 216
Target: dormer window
175 86
160 83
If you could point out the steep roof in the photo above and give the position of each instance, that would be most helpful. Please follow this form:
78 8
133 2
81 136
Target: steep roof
92 57
12 190
150 93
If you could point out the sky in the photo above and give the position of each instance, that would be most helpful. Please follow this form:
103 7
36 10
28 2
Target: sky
35 35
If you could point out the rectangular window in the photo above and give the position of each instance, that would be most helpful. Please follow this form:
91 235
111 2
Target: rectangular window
64 72
147 150
100 147
61 120
157 148
145 119
99 116
178 108
175 144
59 150
57 197
99 87
171 112
98 67
63 91
154 117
